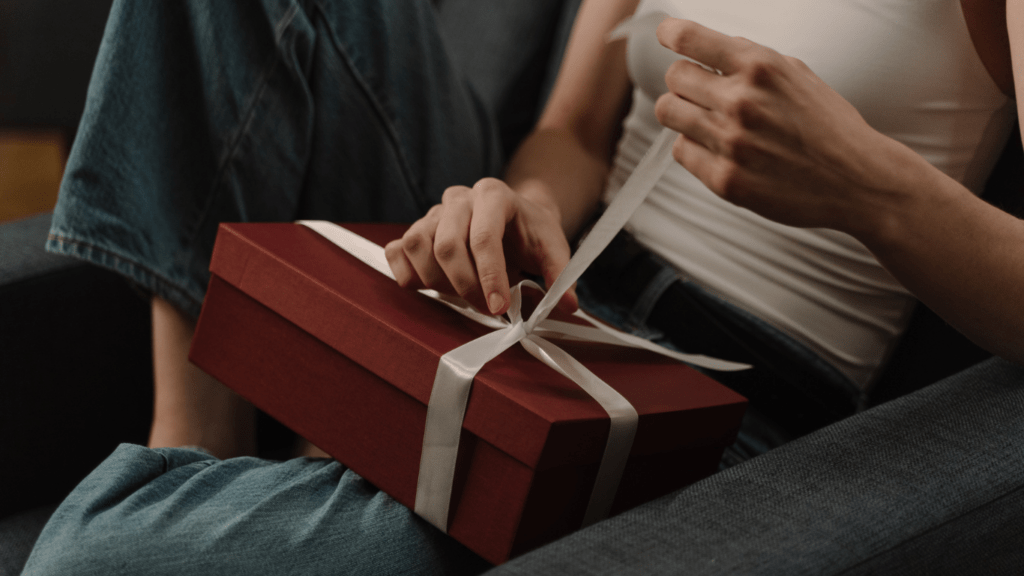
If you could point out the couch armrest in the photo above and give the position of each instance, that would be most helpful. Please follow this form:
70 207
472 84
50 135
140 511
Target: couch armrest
75 364
931 483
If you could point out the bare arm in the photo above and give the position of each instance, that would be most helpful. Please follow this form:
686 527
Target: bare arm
567 156
959 255
470 242
770 136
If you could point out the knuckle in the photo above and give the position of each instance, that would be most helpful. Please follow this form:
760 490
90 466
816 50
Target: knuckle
746 111
403 278
760 65
732 139
743 106
677 72
446 250
415 241
676 68
663 106
797 63
483 241
761 73
743 151
728 182
679 151
453 193
681 37
489 185
394 252
490 277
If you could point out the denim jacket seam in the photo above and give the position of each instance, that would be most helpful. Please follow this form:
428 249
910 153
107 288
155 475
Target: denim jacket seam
779 336
251 107
382 116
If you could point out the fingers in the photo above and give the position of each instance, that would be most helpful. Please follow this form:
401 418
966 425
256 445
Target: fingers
461 247
414 246
457 246
698 160
703 44
492 211
451 251
400 266
688 80
725 114
687 118
418 251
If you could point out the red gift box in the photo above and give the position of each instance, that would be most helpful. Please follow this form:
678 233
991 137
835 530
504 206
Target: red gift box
346 358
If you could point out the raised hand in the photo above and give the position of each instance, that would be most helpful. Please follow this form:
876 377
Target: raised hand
769 135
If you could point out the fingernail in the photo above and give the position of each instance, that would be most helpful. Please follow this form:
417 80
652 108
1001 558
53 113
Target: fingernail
495 302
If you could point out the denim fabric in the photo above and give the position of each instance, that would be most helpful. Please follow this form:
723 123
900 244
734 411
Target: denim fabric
758 433
201 112
178 511
932 483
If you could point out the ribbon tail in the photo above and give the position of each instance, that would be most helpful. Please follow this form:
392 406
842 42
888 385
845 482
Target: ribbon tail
622 426
632 194
607 335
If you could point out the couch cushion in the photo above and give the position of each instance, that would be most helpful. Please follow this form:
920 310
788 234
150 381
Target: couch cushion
77 376
931 483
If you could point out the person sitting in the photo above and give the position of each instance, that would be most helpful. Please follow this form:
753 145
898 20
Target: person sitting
820 185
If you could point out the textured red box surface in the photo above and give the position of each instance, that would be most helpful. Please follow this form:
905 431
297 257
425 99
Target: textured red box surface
346 358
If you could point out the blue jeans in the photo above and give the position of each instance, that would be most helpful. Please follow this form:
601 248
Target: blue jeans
201 112
180 511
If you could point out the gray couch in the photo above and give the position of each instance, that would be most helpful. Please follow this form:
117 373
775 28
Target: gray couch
929 483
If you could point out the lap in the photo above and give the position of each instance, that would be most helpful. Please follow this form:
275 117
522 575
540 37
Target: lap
178 511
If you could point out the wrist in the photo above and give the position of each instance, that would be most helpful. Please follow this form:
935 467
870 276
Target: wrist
908 211
538 193
887 207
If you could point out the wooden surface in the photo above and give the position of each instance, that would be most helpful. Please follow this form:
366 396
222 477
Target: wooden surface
31 165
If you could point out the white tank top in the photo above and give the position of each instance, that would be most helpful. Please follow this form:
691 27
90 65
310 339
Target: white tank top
911 70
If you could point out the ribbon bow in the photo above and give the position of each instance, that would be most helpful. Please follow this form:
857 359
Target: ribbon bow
446 408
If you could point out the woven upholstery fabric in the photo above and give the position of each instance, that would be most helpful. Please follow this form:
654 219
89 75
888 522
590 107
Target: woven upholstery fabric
932 483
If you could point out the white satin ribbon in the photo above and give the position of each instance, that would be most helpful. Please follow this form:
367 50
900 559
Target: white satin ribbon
454 377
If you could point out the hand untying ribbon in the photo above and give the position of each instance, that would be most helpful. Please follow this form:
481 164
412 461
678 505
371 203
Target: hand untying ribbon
454 378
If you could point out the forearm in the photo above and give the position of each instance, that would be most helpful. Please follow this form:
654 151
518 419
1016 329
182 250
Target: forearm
553 168
962 257
565 160
959 255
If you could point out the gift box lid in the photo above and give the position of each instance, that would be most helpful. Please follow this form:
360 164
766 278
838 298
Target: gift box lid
517 404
